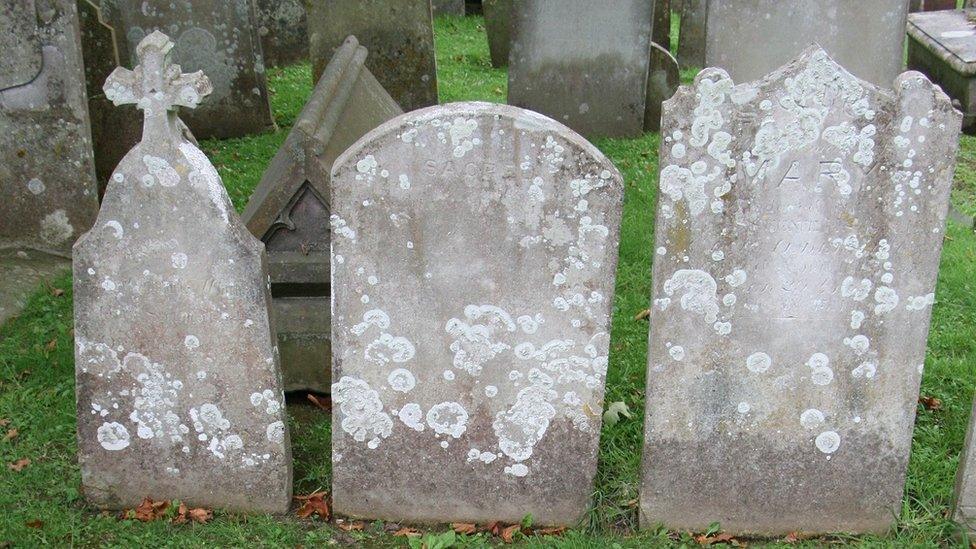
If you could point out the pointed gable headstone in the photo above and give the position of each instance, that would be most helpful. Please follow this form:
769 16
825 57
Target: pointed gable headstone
178 389
289 210
798 234
474 250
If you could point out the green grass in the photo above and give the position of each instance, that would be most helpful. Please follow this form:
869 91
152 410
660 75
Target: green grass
37 389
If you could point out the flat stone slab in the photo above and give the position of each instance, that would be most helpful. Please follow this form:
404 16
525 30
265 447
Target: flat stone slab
399 36
750 38
797 239
582 64
179 392
473 257
22 272
949 35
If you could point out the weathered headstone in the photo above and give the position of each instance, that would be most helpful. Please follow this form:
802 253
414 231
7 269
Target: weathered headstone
399 36
283 29
289 210
661 32
798 235
22 272
663 80
581 63
47 174
931 5
473 257
448 7
498 19
942 45
964 504
750 38
218 37
178 389
691 33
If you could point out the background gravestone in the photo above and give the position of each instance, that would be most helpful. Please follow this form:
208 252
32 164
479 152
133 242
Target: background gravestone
47 175
749 38
797 246
942 45
931 5
964 504
691 33
178 388
661 31
444 368
217 37
289 209
582 64
448 7
498 20
399 36
283 29
663 79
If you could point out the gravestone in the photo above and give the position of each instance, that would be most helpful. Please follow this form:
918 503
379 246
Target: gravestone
931 5
219 38
582 64
289 210
399 36
178 388
283 29
798 236
22 272
691 33
663 80
964 504
47 175
942 45
448 7
473 256
750 38
498 19
661 31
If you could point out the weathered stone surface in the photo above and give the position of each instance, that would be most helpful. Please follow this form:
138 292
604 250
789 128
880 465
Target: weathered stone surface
448 7
21 273
289 208
750 38
498 20
964 504
691 34
661 31
47 175
942 45
798 235
663 80
582 64
283 29
473 258
219 38
178 389
399 36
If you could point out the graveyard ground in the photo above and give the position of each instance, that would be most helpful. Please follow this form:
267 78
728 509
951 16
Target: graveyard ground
41 503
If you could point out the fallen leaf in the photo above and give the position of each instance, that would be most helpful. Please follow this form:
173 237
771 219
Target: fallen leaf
408 532
323 403
792 537
11 434
4 422
57 292
148 510
315 504
643 315
19 465
508 534
717 538
930 403
632 503
52 345
549 531
464 527
350 526
616 409
198 514
35 523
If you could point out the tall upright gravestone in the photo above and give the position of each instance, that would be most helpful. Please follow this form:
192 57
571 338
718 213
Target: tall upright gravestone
283 28
218 37
474 248
498 28
399 36
178 389
691 33
581 63
797 246
289 207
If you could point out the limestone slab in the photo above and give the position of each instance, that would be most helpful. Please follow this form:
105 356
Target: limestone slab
219 37
289 210
797 239
47 175
283 28
179 392
750 38
399 36
498 19
582 64
473 258
942 45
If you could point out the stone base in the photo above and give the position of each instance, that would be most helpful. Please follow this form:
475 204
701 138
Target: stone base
21 272
960 87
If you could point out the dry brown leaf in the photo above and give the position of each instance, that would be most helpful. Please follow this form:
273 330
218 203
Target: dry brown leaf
148 510
643 315
717 538
4 422
632 503
464 527
930 403
198 514
323 403
35 523
555 531
508 534
491 527
57 292
408 532
350 526
19 465
315 504
11 434
52 345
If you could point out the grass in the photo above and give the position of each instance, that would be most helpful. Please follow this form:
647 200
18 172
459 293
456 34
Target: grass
37 373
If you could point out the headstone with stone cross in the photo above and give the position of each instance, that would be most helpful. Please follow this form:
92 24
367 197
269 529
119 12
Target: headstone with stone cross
219 38
448 7
798 235
750 38
283 28
663 79
964 502
290 207
942 45
178 389
474 248
581 63
498 19
691 33
399 36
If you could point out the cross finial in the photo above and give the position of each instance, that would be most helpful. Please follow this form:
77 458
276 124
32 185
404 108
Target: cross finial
156 85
